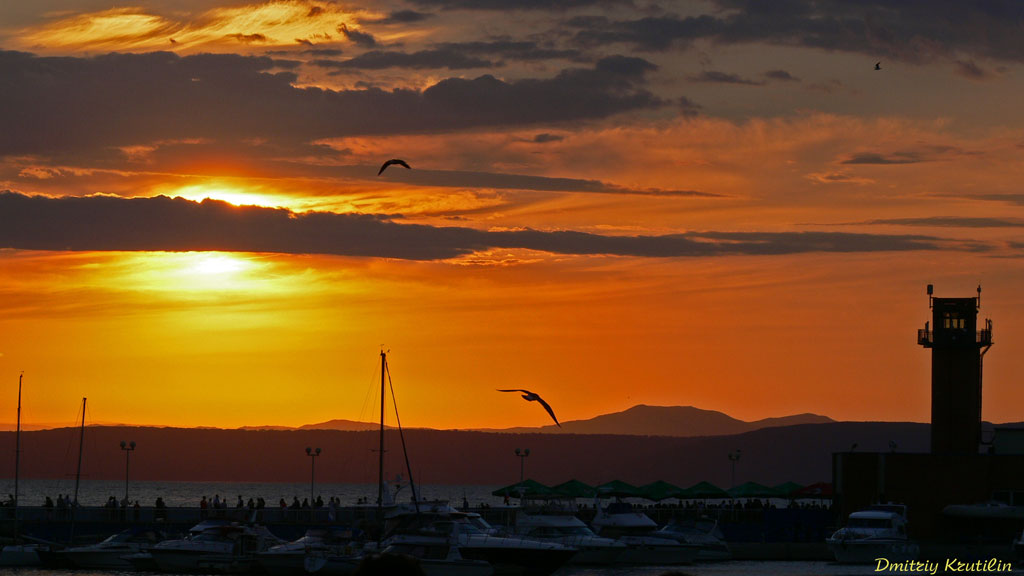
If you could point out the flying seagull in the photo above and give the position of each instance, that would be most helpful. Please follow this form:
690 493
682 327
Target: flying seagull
390 162
878 65
532 397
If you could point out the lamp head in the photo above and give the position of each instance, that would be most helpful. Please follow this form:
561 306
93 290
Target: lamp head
308 449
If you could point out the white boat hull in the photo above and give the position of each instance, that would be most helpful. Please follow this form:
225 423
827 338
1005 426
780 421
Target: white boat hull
597 556
99 559
650 551
323 565
868 551
456 568
291 563
187 562
16 555
141 562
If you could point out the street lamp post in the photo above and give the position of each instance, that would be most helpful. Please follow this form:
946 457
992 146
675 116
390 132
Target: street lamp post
128 447
312 472
522 463
734 457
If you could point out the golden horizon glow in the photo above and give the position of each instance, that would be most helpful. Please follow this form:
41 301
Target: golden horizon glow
222 337
238 195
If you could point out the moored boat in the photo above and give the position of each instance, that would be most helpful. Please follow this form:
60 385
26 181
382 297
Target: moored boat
637 531
705 535
438 555
289 559
554 520
878 532
20 555
214 548
507 555
110 553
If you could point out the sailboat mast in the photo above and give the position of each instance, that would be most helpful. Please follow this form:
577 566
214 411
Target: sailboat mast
17 456
380 446
81 443
17 447
78 474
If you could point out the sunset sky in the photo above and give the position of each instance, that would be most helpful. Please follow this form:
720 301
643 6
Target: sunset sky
612 202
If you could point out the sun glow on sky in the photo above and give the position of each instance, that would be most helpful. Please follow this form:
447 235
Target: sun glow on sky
233 194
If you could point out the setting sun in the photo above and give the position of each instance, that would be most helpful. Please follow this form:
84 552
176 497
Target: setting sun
236 195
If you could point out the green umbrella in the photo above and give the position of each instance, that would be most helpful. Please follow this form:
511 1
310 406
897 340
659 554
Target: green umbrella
575 489
704 490
618 488
660 490
525 488
788 488
753 490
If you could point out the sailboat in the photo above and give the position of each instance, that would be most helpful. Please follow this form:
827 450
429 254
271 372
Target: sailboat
448 542
19 553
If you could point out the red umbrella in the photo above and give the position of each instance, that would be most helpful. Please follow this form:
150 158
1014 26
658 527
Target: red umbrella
816 490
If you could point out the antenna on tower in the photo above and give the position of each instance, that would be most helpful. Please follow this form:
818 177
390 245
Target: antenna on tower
979 296
931 289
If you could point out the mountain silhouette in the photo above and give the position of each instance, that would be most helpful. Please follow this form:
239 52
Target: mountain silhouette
678 421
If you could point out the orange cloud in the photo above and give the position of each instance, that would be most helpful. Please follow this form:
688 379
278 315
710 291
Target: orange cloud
272 23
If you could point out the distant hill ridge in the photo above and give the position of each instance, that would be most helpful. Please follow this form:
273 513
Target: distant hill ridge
678 421
336 424
640 420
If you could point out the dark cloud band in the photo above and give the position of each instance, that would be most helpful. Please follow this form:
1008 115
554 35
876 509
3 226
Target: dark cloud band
913 31
56 105
104 223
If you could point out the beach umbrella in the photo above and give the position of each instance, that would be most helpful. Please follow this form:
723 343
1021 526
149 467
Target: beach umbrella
787 488
704 490
659 491
620 489
527 487
575 489
816 490
753 490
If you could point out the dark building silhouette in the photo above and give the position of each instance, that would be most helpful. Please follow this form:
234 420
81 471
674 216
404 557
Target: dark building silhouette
949 491
957 347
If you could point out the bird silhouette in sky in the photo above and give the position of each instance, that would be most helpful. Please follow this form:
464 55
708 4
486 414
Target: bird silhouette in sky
533 397
878 65
390 162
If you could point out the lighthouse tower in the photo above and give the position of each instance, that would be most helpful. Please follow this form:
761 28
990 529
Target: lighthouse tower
958 345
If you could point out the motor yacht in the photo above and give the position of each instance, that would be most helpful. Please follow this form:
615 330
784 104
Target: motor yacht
704 534
554 520
289 559
507 555
636 530
878 532
215 548
110 553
